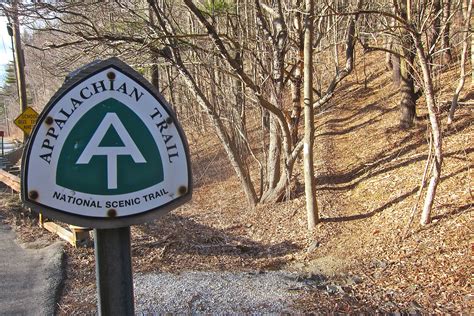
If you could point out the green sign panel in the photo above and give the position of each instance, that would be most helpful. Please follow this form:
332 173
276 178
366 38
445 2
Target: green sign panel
109 138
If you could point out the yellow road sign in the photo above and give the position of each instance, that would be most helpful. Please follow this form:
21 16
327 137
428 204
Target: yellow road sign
27 120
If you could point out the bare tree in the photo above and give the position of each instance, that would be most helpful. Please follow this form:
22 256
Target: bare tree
309 182
435 131
465 41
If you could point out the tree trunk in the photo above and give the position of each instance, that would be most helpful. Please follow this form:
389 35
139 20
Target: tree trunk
309 183
407 96
407 83
238 113
274 147
155 76
170 89
274 156
389 57
296 82
433 32
296 101
446 22
274 170
454 103
396 74
435 131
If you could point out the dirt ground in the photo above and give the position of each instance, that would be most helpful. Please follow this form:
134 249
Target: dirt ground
368 173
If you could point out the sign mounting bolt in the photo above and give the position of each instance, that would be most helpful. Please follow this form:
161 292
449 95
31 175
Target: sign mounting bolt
111 75
33 194
182 190
111 213
48 120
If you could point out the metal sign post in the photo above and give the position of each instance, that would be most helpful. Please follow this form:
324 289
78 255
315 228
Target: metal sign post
107 152
114 271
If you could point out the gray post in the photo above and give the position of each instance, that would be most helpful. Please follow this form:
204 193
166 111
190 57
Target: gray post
19 61
114 271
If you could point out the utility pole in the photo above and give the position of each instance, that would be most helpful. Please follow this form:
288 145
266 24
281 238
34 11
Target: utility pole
19 58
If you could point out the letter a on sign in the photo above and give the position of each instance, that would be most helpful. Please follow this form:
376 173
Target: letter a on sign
116 145
93 149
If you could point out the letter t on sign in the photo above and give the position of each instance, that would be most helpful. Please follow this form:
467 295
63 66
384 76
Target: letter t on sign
93 148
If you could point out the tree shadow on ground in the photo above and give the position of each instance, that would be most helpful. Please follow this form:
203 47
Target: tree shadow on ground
393 202
455 210
186 236
372 107
354 127
468 97
383 162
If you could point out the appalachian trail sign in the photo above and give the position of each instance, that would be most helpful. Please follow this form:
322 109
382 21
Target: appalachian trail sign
107 152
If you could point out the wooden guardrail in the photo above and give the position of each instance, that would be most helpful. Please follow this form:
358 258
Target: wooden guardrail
11 180
76 236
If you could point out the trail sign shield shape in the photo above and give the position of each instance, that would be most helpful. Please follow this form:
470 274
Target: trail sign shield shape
107 151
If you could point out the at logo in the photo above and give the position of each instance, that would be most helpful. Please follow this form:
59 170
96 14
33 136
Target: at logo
109 151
